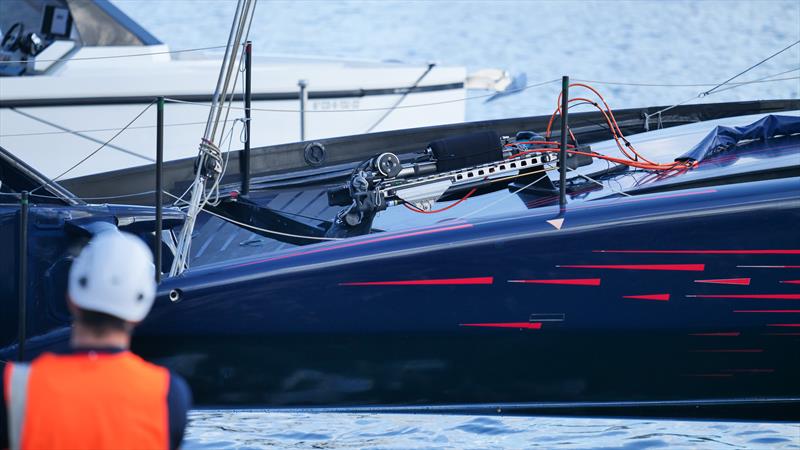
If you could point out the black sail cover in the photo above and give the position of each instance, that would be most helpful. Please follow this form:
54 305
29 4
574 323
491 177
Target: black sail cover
724 137
466 150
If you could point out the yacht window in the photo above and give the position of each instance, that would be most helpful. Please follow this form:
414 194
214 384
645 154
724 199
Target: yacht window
93 23
27 12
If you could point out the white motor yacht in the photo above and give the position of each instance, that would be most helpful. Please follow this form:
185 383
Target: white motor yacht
73 73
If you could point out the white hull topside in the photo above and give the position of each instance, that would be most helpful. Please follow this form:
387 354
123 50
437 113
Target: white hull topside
54 120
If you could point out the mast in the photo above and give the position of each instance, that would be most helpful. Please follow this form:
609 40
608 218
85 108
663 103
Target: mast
209 166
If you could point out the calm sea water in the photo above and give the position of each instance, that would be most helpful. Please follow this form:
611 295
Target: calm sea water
254 429
650 42
642 42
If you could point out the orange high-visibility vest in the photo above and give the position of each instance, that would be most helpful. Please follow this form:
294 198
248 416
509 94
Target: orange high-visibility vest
87 401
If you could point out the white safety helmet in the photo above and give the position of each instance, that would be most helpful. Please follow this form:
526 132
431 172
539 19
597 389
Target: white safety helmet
115 275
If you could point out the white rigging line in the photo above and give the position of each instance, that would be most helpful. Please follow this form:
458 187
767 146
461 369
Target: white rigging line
714 90
132 55
750 68
623 83
99 130
86 158
767 79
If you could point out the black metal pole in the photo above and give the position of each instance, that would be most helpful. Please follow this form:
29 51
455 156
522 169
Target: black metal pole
248 94
562 152
23 272
159 188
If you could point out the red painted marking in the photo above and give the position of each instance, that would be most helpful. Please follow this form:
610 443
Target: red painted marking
527 325
737 281
783 325
729 350
574 281
659 297
710 252
753 296
440 282
725 333
357 243
749 370
686 267
791 281
781 311
708 375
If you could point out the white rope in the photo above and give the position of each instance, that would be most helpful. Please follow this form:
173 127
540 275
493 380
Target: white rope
132 55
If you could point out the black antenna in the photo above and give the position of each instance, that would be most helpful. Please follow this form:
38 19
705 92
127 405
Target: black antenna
562 152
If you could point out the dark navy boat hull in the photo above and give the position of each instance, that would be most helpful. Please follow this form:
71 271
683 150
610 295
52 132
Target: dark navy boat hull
652 298
683 292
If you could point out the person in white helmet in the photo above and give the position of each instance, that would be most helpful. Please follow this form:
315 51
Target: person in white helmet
98 394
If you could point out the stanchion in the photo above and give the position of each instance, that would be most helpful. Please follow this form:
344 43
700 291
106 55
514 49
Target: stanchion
23 273
303 100
159 188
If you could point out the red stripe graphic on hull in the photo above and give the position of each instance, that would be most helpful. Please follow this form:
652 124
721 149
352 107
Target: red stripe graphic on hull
789 325
791 281
709 252
709 375
725 333
750 296
441 282
680 267
659 297
736 281
778 311
574 281
527 325
729 350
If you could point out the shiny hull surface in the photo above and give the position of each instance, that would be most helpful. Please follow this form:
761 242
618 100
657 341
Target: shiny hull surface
688 295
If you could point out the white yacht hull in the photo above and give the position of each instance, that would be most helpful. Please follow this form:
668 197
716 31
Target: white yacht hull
54 138
94 76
